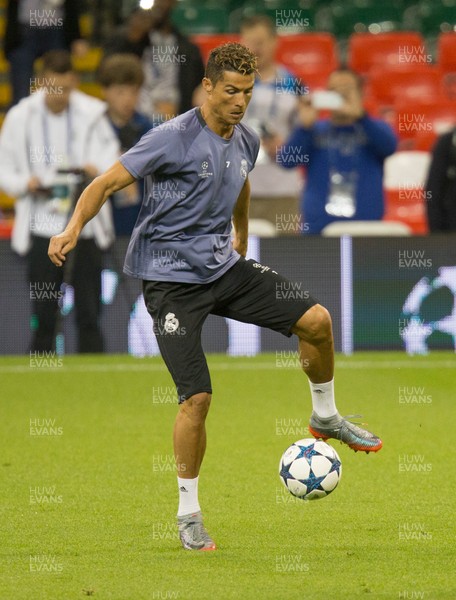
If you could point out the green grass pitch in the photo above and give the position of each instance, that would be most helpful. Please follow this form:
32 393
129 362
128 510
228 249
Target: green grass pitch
89 494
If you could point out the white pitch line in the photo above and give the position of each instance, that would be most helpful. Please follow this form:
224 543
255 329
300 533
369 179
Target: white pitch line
226 366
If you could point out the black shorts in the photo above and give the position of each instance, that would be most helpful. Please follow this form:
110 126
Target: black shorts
248 292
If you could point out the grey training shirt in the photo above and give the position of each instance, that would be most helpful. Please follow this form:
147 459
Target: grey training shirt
193 178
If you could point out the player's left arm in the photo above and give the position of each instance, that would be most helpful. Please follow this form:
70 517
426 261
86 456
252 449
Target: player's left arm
241 220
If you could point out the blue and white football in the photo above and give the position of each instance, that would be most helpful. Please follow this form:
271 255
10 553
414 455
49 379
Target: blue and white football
310 469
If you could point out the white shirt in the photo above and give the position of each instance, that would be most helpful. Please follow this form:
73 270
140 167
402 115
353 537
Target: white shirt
160 64
34 142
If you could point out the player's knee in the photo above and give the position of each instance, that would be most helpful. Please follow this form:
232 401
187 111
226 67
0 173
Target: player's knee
315 325
197 406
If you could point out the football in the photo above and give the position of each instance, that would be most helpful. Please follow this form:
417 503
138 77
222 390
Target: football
310 469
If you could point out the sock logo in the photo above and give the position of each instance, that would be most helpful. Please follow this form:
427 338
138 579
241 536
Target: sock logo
183 489
319 391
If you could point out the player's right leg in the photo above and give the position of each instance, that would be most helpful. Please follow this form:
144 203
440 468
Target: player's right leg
179 311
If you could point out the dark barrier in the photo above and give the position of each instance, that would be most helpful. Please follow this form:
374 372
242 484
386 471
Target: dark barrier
383 293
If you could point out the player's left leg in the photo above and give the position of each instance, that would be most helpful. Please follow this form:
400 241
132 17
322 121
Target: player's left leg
316 351
179 312
189 436
189 447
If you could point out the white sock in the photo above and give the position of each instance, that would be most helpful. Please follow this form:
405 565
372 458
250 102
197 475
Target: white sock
323 401
188 496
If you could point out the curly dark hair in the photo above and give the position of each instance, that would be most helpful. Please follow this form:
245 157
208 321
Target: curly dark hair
230 57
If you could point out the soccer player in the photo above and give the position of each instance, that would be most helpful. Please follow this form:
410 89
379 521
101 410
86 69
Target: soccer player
196 172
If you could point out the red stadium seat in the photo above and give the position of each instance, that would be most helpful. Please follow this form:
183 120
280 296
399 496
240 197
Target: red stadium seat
407 206
446 52
368 50
206 42
404 178
420 123
314 79
409 83
6 228
308 51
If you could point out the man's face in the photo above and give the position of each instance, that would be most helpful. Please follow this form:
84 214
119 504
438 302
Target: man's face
230 96
122 100
261 42
58 87
344 84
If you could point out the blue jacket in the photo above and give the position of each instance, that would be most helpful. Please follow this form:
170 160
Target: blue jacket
125 216
361 148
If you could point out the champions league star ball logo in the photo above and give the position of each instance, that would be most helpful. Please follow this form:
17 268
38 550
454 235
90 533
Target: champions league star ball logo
414 329
204 170
243 169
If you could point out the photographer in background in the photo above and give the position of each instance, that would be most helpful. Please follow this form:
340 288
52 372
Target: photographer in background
50 143
343 154
441 184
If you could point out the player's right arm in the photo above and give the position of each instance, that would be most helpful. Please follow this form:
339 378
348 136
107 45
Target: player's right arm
88 205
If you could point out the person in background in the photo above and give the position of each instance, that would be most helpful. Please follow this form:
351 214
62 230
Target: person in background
129 37
173 67
441 184
49 142
273 107
34 27
343 155
272 113
121 77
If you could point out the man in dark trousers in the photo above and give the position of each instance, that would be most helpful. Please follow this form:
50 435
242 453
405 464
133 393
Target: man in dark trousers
48 142
441 185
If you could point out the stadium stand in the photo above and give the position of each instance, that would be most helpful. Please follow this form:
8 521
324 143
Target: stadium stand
86 67
405 175
290 16
344 18
410 82
446 52
197 18
432 18
420 122
405 50
367 51
207 41
310 56
310 51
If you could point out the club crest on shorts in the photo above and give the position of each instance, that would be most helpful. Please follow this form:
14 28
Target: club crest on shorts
171 323
243 169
